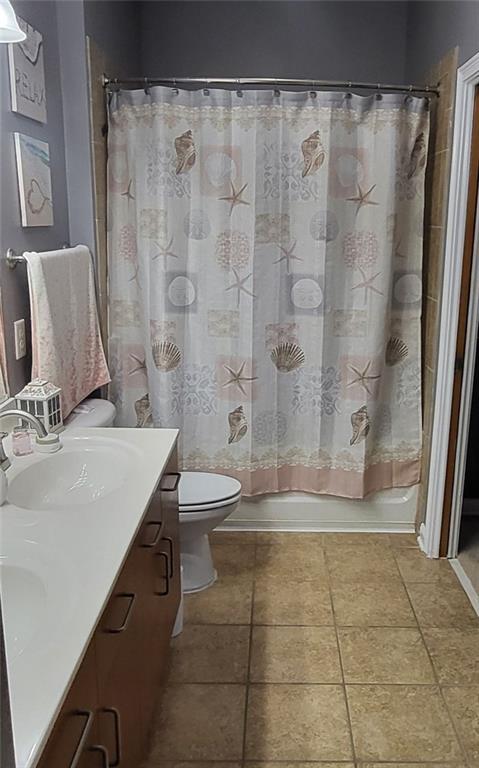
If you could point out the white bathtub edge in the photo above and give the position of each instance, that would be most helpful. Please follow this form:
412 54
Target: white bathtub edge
391 512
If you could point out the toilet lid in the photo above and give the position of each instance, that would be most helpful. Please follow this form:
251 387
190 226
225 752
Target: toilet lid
203 488
91 412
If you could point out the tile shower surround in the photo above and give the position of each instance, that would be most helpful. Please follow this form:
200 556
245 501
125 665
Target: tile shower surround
437 188
340 649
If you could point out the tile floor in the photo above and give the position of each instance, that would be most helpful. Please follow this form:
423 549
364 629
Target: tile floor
338 649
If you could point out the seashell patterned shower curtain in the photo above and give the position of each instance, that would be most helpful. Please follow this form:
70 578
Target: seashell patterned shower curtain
265 285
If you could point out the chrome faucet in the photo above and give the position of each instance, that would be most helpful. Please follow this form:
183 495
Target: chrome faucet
32 420
4 460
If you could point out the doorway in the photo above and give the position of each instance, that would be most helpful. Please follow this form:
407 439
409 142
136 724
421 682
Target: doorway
439 536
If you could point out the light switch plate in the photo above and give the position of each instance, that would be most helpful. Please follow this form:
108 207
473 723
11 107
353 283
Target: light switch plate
20 340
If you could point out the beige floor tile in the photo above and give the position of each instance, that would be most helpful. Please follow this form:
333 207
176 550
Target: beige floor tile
285 601
228 601
400 540
297 722
292 561
295 655
210 654
455 654
234 559
200 722
384 655
355 539
463 704
414 566
442 604
253 764
289 539
372 604
193 764
411 765
353 563
401 723
233 537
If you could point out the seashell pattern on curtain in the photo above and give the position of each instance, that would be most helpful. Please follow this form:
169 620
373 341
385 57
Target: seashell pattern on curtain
265 256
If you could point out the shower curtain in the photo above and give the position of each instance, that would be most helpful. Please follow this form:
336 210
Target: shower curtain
265 282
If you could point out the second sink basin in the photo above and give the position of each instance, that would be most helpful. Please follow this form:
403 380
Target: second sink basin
82 472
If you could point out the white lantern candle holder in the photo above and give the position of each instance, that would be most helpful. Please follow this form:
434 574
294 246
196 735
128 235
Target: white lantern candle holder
42 399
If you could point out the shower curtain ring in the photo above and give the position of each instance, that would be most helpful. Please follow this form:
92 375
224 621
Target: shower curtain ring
206 90
239 92
175 89
312 92
146 87
276 91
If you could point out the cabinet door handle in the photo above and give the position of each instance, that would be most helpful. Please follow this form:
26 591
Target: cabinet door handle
169 541
167 573
164 487
132 597
103 750
117 721
84 736
155 541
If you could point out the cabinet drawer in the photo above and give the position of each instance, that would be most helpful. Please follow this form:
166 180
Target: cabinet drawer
74 741
118 641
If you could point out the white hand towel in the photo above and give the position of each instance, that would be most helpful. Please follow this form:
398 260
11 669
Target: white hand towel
66 342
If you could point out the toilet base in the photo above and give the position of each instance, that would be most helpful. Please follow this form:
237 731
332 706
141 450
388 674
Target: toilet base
198 570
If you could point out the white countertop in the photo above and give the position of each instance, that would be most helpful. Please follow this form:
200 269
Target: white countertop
78 552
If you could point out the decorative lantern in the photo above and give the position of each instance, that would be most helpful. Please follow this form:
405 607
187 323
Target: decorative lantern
42 399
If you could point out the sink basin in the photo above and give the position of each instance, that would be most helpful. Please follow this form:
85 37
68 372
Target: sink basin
27 597
34 600
84 471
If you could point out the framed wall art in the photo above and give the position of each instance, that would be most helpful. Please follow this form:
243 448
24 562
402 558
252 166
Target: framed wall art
34 181
27 74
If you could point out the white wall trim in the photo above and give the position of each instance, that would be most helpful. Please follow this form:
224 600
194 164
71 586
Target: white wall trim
467 79
466 584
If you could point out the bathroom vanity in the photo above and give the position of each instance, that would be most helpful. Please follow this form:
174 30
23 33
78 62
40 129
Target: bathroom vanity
86 675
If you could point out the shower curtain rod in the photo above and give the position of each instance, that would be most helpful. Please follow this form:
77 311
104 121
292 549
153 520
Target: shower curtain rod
276 82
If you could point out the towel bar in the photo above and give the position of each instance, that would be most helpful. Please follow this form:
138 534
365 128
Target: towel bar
13 258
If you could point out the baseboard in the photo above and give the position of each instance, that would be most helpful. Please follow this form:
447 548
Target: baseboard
389 512
421 538
466 583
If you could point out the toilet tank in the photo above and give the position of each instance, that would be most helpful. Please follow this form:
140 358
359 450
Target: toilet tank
92 412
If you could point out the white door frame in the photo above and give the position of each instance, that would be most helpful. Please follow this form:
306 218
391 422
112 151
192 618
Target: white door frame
430 533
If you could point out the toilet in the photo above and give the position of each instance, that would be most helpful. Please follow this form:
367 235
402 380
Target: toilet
205 501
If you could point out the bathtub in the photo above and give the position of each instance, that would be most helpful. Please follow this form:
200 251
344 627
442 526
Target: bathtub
393 510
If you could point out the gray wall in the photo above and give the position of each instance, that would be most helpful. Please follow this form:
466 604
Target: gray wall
115 27
76 118
324 40
435 27
42 15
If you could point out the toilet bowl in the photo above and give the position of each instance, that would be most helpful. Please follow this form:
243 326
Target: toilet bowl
205 501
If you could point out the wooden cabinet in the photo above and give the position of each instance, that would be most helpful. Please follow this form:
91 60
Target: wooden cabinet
74 739
107 715
119 661
163 593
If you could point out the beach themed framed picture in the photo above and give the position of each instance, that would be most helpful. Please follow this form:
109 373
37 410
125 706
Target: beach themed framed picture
27 74
34 181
